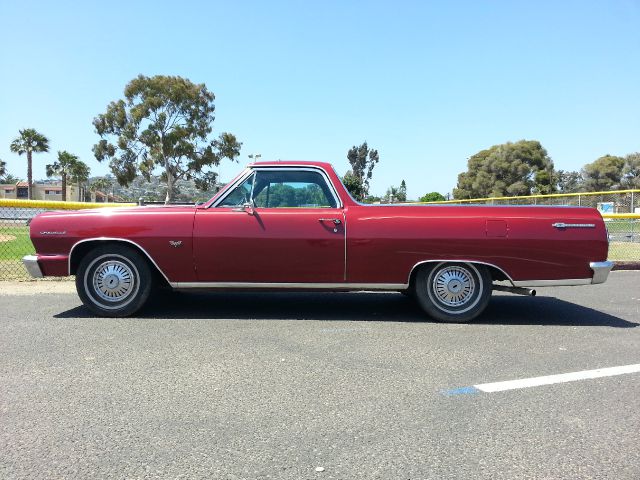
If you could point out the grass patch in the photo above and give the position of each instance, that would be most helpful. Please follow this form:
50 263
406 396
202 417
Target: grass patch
624 251
15 243
623 226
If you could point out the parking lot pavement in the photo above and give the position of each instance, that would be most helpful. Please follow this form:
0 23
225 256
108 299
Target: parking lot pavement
358 385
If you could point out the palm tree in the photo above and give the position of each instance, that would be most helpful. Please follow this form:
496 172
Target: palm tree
80 174
30 141
3 168
62 168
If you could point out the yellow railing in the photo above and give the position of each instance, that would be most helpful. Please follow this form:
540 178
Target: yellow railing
621 215
57 205
524 197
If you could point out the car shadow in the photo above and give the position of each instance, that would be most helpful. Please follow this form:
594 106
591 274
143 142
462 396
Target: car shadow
357 306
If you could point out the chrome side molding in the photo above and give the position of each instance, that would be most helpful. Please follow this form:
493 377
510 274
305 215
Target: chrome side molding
292 286
564 282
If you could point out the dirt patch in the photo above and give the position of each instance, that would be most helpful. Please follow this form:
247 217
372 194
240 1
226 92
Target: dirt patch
6 238
36 287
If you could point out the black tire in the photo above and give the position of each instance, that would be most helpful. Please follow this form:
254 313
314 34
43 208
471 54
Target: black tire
114 280
453 292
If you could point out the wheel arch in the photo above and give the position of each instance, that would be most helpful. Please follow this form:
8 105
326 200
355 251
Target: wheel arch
496 272
82 247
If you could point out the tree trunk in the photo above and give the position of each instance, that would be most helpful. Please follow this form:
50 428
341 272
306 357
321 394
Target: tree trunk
170 180
64 187
29 175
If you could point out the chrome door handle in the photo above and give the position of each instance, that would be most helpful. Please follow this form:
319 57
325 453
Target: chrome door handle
334 220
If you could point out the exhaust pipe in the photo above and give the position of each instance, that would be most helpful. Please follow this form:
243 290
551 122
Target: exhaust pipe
517 290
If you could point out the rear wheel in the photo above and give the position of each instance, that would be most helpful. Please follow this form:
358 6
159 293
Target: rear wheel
114 281
453 292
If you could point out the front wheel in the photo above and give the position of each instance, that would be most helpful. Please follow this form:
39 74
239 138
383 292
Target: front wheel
114 281
453 292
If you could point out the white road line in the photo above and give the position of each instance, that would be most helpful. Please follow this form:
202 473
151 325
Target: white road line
561 378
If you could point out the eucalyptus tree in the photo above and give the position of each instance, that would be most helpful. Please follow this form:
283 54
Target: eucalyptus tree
163 122
362 160
28 142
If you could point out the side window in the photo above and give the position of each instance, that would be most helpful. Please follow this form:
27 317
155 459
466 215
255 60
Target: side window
291 189
240 195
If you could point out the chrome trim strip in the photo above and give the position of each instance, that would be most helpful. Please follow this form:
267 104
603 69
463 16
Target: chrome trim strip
30 262
303 286
600 271
113 239
509 279
565 282
344 226
229 188
290 167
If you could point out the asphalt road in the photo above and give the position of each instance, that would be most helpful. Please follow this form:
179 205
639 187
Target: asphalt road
248 385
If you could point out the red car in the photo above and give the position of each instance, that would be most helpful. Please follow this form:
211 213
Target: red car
293 225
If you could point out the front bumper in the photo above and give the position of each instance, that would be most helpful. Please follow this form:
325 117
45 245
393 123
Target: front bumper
600 271
31 264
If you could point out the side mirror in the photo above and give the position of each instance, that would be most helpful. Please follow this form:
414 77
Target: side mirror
247 207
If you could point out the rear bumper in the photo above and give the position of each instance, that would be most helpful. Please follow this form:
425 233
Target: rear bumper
600 271
31 264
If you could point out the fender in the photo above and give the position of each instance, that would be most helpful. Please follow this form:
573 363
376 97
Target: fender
459 261
114 239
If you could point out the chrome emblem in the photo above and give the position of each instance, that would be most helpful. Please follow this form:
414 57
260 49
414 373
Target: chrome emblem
64 232
175 243
573 225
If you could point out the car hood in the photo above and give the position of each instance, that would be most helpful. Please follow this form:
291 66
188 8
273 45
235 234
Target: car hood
114 211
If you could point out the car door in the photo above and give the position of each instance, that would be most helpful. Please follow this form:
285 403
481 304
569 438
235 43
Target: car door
278 225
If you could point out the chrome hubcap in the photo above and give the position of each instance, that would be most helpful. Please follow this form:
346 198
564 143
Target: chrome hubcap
113 281
454 286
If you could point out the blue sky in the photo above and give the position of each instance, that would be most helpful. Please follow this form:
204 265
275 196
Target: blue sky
426 83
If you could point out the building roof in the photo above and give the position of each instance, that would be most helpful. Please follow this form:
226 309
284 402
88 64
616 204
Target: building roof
22 184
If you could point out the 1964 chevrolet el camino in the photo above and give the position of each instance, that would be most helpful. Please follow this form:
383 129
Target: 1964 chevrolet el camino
292 225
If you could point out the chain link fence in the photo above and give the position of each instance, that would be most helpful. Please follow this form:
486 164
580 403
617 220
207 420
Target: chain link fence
616 201
14 231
